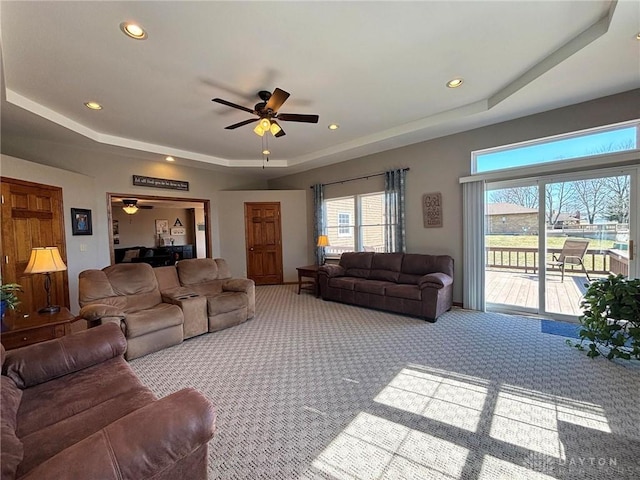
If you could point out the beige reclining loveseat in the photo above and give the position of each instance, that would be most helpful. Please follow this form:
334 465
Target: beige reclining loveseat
210 298
127 294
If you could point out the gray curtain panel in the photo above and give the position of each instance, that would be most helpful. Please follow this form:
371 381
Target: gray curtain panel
318 220
394 197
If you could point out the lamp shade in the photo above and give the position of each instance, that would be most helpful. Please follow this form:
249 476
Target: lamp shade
45 260
323 241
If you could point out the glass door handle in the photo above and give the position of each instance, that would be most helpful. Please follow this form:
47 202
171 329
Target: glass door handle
630 250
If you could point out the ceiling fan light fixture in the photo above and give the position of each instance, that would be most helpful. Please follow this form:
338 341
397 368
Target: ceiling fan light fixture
133 30
265 124
275 129
130 206
259 130
455 83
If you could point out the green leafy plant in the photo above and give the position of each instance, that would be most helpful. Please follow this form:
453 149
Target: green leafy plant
8 295
611 318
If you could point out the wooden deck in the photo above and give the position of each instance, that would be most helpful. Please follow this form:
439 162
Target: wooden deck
508 287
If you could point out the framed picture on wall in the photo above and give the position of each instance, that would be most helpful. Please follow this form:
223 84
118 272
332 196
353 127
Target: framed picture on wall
81 222
178 231
162 227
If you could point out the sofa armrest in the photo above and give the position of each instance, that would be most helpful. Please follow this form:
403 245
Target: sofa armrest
238 285
41 362
139 445
331 270
98 311
435 280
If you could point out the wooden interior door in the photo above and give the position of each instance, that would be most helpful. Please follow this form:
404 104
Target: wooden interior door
263 237
32 216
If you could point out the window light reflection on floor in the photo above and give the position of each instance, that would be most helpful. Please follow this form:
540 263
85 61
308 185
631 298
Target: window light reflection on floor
456 403
373 447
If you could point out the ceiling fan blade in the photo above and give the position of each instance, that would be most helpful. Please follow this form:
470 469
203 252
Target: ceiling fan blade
278 97
281 132
294 117
241 124
232 105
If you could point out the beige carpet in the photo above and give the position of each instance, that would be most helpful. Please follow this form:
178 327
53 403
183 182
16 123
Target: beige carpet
320 390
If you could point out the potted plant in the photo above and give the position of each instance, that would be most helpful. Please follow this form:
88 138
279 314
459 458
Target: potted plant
611 318
8 298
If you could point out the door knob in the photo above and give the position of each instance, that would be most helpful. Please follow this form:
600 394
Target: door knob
251 249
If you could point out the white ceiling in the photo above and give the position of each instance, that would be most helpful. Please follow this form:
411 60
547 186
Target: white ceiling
378 69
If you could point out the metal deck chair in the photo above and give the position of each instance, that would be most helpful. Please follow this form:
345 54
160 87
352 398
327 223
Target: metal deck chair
572 253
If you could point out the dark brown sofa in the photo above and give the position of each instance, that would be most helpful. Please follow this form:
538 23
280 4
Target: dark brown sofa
412 284
72 408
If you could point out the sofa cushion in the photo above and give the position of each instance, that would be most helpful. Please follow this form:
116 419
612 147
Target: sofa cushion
410 292
377 287
226 302
346 283
386 266
56 358
163 315
136 281
74 393
407 279
93 285
223 268
197 270
418 264
357 264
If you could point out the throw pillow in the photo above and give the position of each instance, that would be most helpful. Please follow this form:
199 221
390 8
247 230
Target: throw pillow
130 254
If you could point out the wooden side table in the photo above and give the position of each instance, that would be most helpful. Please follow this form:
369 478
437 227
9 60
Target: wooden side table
310 271
23 330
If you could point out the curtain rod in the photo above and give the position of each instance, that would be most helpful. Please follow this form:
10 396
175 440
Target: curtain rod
365 177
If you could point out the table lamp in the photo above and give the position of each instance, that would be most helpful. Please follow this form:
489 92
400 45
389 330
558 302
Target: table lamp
46 260
323 241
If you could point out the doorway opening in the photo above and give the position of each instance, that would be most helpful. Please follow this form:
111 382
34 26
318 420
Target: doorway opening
161 231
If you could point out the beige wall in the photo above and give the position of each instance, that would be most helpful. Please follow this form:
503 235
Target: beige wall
436 166
293 211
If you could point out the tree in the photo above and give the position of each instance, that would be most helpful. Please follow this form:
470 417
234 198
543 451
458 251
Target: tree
524 196
617 191
558 197
590 197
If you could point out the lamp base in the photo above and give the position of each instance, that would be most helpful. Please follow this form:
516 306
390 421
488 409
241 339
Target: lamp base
50 309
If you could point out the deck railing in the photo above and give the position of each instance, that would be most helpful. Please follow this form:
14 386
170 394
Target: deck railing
526 258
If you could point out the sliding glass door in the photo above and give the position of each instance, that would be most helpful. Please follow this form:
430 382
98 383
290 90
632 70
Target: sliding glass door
547 238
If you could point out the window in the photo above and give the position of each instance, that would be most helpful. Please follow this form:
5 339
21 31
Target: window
601 141
344 224
355 224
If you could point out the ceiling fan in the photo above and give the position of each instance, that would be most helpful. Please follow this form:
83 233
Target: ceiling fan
267 113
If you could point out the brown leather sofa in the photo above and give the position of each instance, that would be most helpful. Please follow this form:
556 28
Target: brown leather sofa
127 294
412 284
225 301
72 408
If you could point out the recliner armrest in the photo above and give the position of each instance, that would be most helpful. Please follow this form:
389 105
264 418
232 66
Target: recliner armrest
41 362
435 280
98 311
139 445
331 270
238 285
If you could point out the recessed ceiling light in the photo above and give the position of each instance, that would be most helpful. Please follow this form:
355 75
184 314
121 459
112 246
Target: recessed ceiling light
266 152
334 126
638 36
456 82
93 105
133 30
170 159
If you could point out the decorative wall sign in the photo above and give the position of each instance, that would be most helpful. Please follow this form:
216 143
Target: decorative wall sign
178 231
432 209
177 223
81 222
162 227
143 181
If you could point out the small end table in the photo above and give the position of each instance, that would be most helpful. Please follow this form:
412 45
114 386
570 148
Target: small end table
310 271
23 330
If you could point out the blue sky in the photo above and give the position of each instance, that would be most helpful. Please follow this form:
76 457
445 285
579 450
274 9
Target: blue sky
575 147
